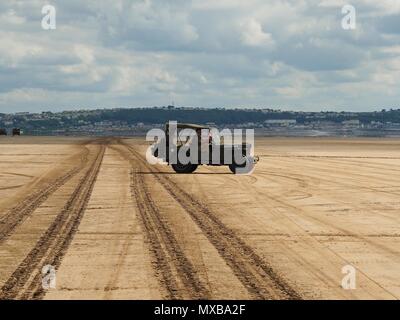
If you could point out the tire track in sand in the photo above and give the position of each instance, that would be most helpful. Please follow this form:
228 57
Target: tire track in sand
256 275
16 215
174 271
25 282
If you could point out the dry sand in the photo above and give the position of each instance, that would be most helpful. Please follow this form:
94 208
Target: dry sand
115 227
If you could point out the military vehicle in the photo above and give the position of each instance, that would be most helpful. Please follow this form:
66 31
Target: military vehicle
16 132
243 162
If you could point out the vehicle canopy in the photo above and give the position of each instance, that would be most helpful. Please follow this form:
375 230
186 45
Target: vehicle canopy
188 126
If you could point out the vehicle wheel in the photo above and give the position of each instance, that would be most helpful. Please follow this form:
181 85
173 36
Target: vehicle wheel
243 168
233 167
184 168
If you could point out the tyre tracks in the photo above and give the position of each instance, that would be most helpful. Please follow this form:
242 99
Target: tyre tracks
25 282
175 272
255 274
326 222
16 215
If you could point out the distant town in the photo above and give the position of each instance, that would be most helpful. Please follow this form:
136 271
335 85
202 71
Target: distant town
266 121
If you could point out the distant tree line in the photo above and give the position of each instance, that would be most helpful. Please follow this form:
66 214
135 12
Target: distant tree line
133 116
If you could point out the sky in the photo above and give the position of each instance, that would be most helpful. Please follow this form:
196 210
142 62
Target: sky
288 54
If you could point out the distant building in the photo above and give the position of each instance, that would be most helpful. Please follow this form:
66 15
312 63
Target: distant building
280 122
351 123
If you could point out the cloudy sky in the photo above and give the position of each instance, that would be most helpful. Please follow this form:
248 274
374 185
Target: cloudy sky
288 54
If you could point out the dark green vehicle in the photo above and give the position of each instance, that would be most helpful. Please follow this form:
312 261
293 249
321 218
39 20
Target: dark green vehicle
208 151
16 132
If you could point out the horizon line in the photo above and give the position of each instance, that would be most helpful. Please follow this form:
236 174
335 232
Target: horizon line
171 107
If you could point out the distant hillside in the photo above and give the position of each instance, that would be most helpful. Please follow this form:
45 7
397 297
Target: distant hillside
47 122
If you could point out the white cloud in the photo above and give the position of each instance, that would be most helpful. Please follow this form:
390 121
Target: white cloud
13 50
253 34
199 52
10 17
84 53
332 3
383 7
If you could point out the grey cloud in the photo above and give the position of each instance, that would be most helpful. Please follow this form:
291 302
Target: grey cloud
150 52
312 57
389 24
